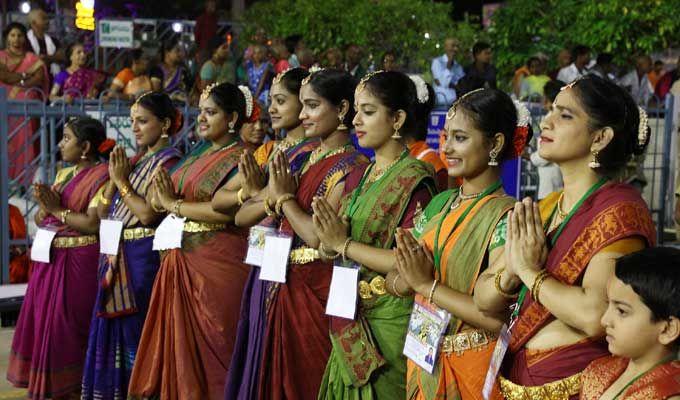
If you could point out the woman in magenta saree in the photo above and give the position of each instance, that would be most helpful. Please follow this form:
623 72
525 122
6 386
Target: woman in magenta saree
50 339
24 76
125 280
76 81
189 332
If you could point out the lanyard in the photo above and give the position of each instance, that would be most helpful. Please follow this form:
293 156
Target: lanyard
557 234
438 250
353 205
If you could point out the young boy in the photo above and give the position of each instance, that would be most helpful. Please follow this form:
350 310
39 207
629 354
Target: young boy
642 323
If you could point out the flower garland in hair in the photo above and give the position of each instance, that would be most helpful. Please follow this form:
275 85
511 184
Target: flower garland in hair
421 88
280 76
106 146
312 70
362 83
249 100
208 90
519 139
643 127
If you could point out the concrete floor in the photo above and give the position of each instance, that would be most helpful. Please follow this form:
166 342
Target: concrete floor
7 391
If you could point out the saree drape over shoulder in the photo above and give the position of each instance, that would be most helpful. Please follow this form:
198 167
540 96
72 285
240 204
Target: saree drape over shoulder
611 214
188 336
125 283
242 380
367 361
50 340
296 344
464 257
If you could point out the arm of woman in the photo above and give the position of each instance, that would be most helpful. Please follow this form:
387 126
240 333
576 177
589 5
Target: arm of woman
303 223
54 93
109 191
486 295
36 79
247 183
87 222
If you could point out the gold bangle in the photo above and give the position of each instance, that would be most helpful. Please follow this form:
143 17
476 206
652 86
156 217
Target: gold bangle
326 254
125 191
434 286
176 207
63 214
394 286
156 209
239 196
105 201
268 207
536 287
499 289
278 208
345 247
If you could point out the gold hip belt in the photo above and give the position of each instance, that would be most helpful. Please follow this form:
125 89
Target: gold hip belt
196 227
558 390
66 242
303 255
468 340
375 287
137 233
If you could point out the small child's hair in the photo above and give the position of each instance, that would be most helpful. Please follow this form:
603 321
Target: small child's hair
653 273
552 89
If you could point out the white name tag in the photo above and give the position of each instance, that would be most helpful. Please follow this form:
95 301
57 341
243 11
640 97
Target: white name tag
42 243
496 361
169 233
425 331
342 297
256 240
275 260
109 236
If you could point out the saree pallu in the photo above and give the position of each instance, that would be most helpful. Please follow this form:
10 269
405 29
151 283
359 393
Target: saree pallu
296 344
662 382
464 257
22 148
367 361
50 339
242 379
188 336
123 294
613 213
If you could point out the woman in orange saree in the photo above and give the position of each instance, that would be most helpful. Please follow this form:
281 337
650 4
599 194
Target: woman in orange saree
562 251
188 336
24 76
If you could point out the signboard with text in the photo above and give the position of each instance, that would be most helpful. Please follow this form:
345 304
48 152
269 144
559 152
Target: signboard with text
116 33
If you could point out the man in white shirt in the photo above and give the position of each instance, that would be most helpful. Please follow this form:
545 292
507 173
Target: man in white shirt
577 68
42 44
636 82
446 73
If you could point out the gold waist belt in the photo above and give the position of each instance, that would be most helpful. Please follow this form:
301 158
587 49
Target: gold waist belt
138 233
303 255
558 390
468 340
375 287
195 227
66 242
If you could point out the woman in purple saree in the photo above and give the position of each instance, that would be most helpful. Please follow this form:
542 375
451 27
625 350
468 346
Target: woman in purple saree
50 339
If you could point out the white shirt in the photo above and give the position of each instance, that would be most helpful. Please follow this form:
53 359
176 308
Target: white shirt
569 73
446 77
549 174
50 49
640 88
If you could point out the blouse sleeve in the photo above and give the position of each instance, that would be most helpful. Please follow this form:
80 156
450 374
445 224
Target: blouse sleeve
499 235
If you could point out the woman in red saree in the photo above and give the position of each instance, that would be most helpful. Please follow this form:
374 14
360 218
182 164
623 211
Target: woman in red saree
24 76
18 259
563 250
189 332
296 344
50 340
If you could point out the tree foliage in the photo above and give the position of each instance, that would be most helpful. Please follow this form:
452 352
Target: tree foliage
377 26
624 28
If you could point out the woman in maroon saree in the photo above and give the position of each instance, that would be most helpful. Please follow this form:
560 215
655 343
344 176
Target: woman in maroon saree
188 336
563 250
50 340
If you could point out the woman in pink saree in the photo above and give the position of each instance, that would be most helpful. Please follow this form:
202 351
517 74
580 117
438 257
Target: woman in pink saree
23 75
76 81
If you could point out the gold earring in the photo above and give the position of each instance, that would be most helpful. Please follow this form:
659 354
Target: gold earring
231 128
594 163
164 134
83 156
396 135
492 159
342 126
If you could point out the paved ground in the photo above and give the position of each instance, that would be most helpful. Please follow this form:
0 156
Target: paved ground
7 392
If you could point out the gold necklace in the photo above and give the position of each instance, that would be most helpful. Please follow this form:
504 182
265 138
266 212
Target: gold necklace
317 155
283 145
379 173
469 196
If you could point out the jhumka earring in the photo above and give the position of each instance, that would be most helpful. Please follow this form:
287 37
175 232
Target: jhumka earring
492 159
231 127
396 135
342 126
594 163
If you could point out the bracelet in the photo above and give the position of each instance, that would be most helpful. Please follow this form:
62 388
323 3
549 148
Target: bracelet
268 208
499 289
105 201
239 196
345 247
157 209
176 207
394 286
326 254
434 286
536 287
125 191
63 214
278 208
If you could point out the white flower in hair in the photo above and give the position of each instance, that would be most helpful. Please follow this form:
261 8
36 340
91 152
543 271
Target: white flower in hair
315 68
421 88
249 100
643 127
523 115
